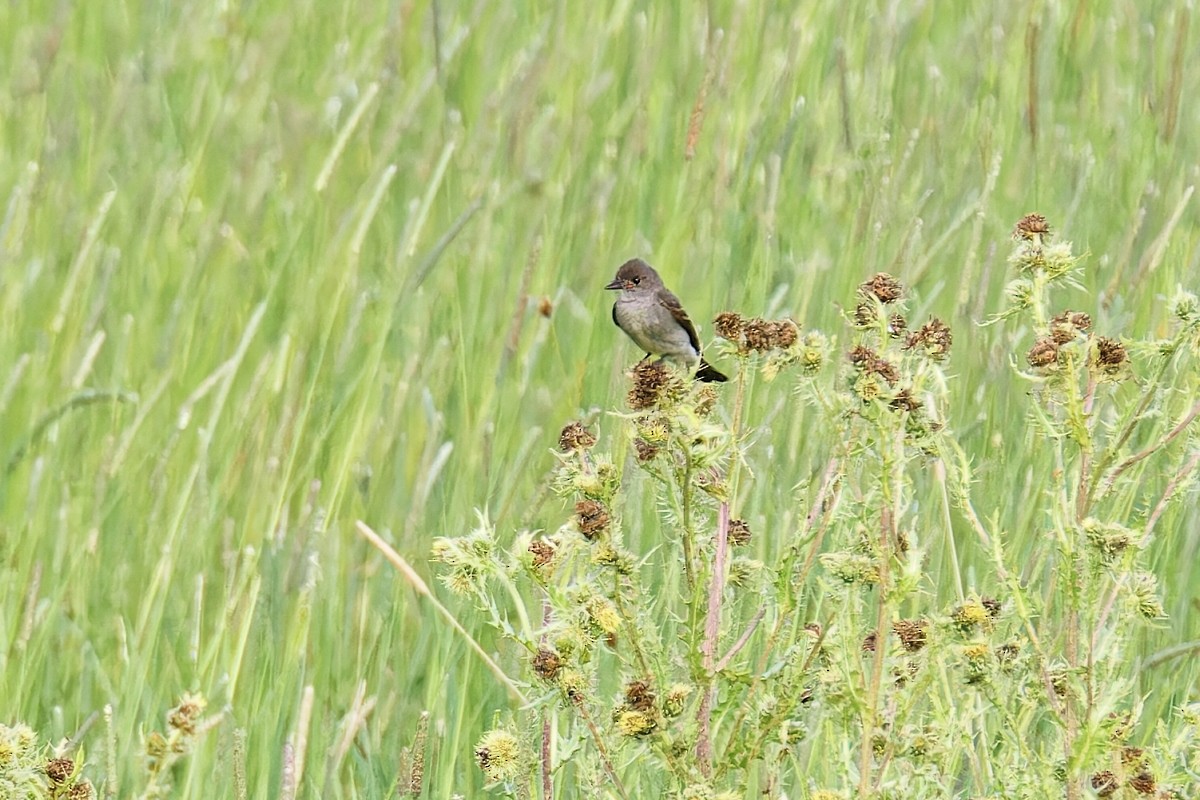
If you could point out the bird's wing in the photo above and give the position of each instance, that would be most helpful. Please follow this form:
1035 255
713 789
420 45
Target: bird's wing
671 303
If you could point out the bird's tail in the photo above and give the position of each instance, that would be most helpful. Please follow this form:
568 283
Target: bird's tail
706 373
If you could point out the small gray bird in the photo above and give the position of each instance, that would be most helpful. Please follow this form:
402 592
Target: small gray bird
652 316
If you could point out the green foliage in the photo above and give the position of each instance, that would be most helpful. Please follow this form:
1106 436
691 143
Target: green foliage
733 675
267 269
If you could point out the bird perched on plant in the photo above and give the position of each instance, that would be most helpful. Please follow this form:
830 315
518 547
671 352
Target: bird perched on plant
652 316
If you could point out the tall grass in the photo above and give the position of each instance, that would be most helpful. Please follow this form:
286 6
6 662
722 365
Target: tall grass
267 269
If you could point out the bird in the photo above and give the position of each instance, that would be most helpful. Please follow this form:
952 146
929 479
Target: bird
654 318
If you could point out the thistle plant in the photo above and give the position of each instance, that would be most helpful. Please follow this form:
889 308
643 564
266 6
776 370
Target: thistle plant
700 665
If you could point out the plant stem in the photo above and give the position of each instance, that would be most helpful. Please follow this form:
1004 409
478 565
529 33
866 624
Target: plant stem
712 629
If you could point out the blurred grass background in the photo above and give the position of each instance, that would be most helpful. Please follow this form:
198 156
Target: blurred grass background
269 268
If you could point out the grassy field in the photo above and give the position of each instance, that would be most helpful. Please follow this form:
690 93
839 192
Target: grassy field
267 269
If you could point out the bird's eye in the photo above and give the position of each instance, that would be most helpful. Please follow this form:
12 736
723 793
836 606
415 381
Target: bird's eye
636 281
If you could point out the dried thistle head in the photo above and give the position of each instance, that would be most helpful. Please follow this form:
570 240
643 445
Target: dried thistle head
869 363
911 633
1068 325
728 325
1143 782
739 532
576 437
639 696
784 334
59 770
591 517
1031 227
757 334
546 664
933 339
1111 355
1105 783
883 287
81 791
183 717
542 551
645 450
865 315
904 401
862 356
1043 353
651 381
704 398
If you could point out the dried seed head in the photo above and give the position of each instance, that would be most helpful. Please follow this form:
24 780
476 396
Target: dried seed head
1143 783
869 642
1110 355
639 696
886 370
883 287
862 357
576 437
868 362
1069 324
784 334
1043 353
728 325
59 770
645 450
911 633
1133 757
865 315
904 401
184 716
991 605
1007 653
81 791
739 532
1030 226
897 325
591 517
757 334
705 399
933 339
546 664
650 381
1104 783
542 552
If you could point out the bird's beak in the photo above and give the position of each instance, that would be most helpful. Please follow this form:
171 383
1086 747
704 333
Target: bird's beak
617 283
